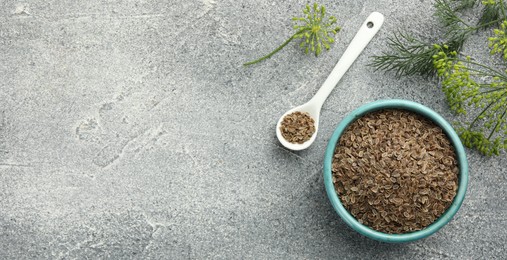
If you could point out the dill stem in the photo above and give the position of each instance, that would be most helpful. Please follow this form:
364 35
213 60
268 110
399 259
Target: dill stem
497 73
481 73
491 90
484 111
483 92
485 24
463 22
276 50
502 8
497 123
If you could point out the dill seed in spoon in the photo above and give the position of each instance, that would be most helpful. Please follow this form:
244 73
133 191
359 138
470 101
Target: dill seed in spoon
297 127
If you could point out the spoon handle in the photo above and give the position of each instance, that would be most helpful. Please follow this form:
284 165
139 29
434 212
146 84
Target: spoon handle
368 29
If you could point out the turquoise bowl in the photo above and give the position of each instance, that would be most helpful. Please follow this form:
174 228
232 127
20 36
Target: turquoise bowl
419 109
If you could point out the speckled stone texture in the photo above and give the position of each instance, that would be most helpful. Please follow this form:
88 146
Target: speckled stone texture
130 129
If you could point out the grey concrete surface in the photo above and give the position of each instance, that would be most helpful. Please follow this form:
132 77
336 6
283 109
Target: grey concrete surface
130 129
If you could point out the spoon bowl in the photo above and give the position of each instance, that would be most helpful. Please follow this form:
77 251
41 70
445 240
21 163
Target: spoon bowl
314 111
366 32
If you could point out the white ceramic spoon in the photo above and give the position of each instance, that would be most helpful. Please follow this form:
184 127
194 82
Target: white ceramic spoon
368 29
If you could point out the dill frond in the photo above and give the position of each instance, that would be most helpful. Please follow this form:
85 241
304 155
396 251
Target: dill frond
469 86
410 56
492 13
314 28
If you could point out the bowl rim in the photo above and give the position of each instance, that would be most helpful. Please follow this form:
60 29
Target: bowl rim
413 107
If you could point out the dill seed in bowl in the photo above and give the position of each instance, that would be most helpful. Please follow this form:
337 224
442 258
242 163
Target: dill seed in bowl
297 127
395 171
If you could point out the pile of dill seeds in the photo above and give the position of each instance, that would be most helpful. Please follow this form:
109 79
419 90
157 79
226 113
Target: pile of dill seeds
395 171
297 127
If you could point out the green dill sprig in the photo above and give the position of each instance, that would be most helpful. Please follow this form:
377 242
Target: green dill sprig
457 29
492 13
315 30
470 87
467 83
409 56
498 44
464 4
